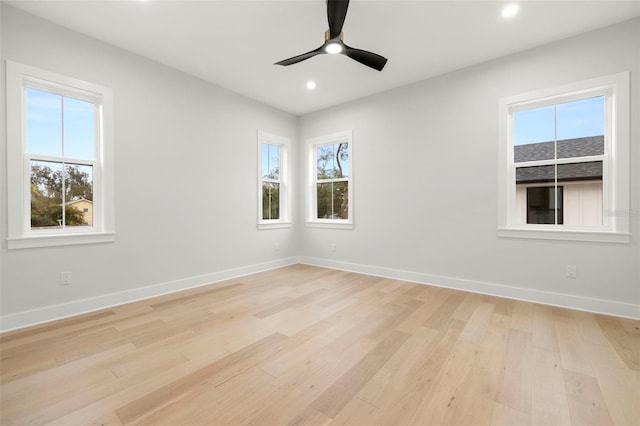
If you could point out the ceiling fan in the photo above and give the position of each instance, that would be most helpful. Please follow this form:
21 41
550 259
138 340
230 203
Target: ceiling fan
336 12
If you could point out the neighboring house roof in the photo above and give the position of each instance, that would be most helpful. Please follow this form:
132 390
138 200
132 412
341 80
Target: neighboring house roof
568 148
79 200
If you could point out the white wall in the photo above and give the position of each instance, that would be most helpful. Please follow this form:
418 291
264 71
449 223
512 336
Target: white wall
431 149
186 170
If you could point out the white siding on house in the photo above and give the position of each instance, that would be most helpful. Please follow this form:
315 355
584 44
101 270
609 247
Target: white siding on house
583 203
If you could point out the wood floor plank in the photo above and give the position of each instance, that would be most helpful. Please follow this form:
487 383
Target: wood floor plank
293 303
393 376
507 416
586 403
109 419
626 344
515 384
589 328
303 383
474 402
309 345
397 405
549 403
217 372
310 417
438 406
340 393
619 385
477 323
543 328
444 313
356 412
522 317
572 349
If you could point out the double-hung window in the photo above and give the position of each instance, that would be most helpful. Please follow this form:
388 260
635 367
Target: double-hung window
59 159
330 189
564 162
274 189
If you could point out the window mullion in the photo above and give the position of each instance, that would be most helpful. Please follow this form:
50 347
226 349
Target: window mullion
64 167
555 167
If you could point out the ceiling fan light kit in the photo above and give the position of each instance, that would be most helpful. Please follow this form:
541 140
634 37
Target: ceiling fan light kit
334 44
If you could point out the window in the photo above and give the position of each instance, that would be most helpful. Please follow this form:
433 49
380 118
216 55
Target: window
60 159
544 205
562 151
274 190
330 173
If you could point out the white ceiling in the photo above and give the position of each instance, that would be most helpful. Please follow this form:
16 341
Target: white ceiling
235 43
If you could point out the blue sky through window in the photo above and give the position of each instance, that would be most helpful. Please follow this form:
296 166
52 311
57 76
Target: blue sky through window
568 120
270 161
59 125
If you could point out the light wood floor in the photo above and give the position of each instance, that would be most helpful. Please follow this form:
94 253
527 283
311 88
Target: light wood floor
307 345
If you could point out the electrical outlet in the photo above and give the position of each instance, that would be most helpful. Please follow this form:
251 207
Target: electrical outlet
65 278
572 271
333 246
276 247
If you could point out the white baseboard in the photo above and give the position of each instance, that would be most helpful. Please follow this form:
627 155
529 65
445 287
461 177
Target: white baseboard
50 313
77 307
601 306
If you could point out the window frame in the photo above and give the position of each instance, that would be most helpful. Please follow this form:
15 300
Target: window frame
19 77
615 179
312 194
284 145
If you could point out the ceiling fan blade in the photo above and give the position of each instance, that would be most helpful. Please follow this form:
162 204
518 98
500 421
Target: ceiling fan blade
336 12
369 59
302 57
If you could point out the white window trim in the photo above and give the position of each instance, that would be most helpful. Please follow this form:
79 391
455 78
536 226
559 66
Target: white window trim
285 181
18 77
311 193
616 184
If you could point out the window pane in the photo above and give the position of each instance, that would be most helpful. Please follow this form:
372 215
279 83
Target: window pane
333 200
543 204
44 123
326 158
333 161
581 118
534 134
583 203
342 160
580 200
341 200
583 192
270 201
535 174
78 129
580 171
46 194
580 127
79 195
270 161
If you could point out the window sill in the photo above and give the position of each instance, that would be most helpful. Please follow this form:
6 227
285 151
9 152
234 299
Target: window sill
274 225
60 240
330 224
566 235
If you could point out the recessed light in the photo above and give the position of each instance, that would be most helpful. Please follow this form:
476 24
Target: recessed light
334 48
311 85
510 11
